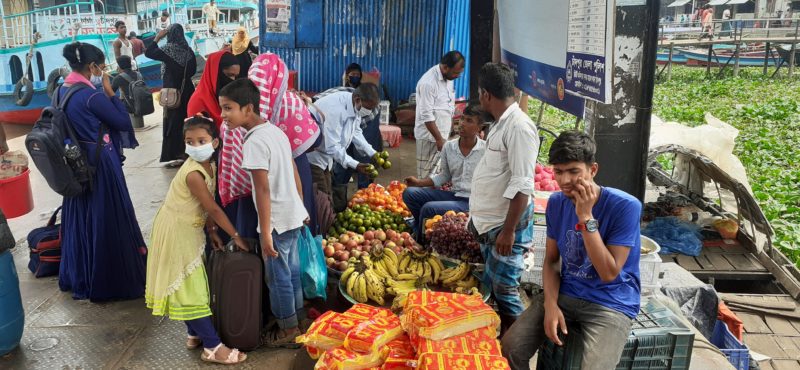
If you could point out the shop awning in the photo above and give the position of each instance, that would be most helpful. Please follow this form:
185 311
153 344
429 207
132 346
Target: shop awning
734 2
717 2
679 3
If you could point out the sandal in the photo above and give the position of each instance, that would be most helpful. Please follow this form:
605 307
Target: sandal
193 342
174 164
235 357
274 340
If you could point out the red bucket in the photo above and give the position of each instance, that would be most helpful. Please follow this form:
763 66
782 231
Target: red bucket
16 198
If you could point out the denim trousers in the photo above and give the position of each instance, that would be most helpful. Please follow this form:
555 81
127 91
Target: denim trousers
605 332
424 203
283 278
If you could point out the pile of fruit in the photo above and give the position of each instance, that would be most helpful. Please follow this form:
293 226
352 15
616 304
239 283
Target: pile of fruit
377 198
383 273
381 159
362 218
544 179
349 247
449 236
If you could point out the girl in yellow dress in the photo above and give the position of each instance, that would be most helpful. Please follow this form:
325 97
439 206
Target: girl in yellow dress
177 285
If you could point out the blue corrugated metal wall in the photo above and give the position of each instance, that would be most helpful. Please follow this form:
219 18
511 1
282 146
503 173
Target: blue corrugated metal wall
457 37
400 38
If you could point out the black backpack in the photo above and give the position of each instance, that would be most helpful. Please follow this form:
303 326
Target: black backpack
139 99
55 151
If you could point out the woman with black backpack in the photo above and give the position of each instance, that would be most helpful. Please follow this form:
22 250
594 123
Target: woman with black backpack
103 252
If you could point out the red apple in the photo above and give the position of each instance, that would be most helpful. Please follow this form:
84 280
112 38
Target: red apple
405 235
391 234
381 235
344 238
355 253
408 243
351 244
324 242
338 246
390 244
369 235
342 265
328 250
345 255
367 248
330 261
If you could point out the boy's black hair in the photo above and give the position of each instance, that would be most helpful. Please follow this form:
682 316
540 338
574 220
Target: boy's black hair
124 62
118 23
452 58
474 108
353 67
572 146
497 79
201 120
368 92
243 92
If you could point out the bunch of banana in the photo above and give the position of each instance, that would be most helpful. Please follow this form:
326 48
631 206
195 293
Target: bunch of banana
355 281
468 291
384 262
421 264
375 288
453 275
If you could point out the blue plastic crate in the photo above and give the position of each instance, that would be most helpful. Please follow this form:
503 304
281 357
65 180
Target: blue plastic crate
658 341
737 352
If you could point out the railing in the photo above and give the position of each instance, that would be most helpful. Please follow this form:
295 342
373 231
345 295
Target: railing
51 23
735 29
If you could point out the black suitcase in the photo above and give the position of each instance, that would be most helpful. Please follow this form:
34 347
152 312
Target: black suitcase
236 281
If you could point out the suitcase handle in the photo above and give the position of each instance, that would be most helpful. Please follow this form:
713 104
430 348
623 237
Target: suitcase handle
252 243
52 220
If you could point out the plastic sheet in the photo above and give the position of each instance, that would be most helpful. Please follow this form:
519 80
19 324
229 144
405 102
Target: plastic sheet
314 274
340 358
401 354
675 236
371 335
477 342
447 361
438 315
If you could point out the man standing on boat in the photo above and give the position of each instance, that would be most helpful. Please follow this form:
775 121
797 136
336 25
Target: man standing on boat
212 13
123 46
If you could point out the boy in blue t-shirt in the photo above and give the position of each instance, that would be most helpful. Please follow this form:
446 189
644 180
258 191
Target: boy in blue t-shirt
593 233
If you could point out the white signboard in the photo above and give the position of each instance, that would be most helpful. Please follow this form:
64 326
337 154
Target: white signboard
533 39
590 45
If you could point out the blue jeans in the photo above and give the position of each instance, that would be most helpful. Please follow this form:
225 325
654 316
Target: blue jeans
502 273
425 203
283 279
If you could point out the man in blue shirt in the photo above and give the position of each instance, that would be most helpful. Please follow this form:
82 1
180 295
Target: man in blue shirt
593 232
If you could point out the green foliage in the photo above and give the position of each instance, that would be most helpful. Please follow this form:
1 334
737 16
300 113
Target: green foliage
766 112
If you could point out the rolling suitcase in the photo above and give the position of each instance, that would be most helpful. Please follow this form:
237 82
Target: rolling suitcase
236 282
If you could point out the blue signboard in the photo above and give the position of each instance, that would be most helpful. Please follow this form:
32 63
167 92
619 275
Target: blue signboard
589 49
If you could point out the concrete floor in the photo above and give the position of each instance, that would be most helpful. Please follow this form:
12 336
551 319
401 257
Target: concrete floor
62 333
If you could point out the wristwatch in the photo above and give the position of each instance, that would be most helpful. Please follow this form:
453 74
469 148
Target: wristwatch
591 225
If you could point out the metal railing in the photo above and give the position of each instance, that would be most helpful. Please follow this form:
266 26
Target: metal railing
732 29
51 23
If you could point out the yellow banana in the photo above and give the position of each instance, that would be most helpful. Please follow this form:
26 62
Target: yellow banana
426 273
404 262
391 255
346 273
435 270
351 282
447 273
469 283
457 275
380 269
406 276
361 289
435 258
391 266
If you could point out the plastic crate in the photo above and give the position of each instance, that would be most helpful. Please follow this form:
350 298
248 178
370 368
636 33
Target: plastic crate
737 353
658 341
533 260
539 237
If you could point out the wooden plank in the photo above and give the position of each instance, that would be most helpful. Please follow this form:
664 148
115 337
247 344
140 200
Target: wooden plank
754 323
796 324
788 281
762 302
741 263
754 261
720 263
688 263
765 365
764 344
788 364
780 325
704 263
788 346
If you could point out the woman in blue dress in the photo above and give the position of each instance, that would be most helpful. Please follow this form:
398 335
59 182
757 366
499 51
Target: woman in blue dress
103 252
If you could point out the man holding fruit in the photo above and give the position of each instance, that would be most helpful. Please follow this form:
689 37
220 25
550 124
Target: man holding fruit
457 161
343 113
590 273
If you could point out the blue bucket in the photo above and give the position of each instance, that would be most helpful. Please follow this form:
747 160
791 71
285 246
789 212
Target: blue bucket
12 316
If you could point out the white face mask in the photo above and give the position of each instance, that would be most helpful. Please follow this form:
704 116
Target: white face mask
200 153
364 113
96 80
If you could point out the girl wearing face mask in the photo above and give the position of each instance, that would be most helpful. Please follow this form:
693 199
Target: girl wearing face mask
103 252
222 67
178 65
177 285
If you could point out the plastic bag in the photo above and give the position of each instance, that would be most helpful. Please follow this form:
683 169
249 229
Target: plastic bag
438 315
477 342
448 361
314 272
371 335
675 236
340 358
13 163
401 354
330 329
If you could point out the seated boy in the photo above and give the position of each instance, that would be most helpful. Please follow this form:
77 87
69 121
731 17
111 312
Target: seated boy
457 163
594 232
267 156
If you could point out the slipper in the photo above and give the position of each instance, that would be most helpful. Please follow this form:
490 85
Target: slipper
235 357
274 340
174 164
193 342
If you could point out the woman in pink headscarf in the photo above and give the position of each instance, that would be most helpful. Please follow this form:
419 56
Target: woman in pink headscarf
286 110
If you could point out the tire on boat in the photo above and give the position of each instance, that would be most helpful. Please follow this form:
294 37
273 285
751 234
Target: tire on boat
53 79
23 91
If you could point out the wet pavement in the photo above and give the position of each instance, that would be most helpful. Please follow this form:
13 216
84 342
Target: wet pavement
62 333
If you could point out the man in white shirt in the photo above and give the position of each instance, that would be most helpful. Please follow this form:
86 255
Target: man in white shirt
123 46
458 161
212 14
501 211
343 113
435 106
